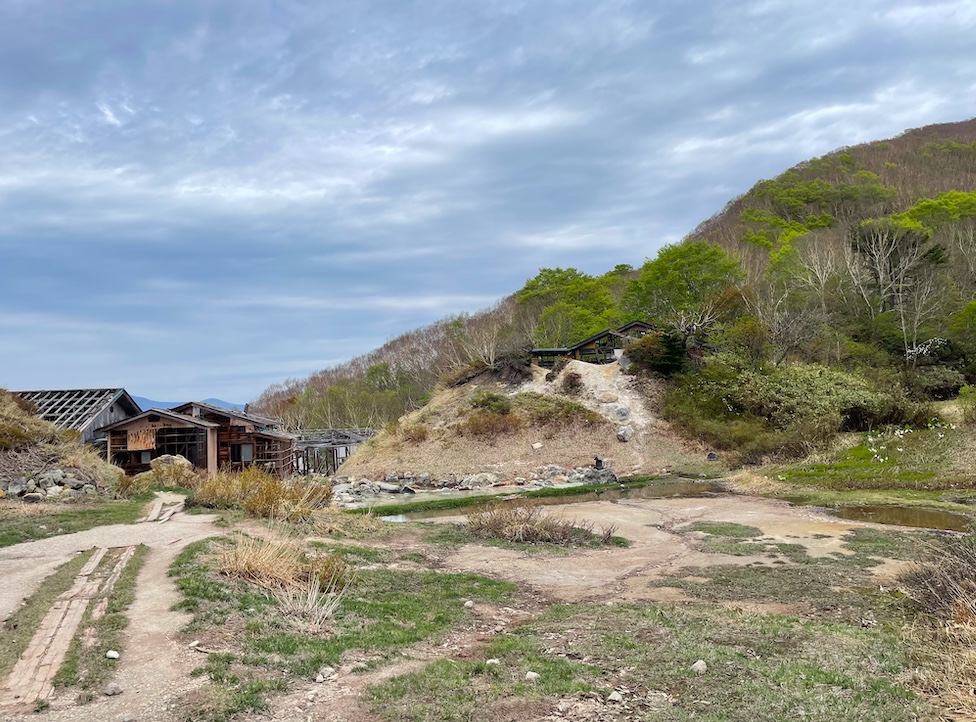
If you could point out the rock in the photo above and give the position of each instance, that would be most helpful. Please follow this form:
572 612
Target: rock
408 490
532 677
625 433
469 604
319 678
537 445
622 412
327 672
111 654
54 491
74 484
89 490
605 475
128 718
387 487
170 460
112 689
615 696
607 398
712 456
699 667
33 497
342 488
492 662
16 487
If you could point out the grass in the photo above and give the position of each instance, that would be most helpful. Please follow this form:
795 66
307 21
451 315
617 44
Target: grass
761 668
893 459
15 527
20 627
836 587
382 612
86 665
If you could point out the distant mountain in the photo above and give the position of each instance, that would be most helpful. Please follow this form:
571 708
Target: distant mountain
145 403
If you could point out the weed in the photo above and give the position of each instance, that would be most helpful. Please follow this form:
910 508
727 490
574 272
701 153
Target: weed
944 583
416 433
725 528
491 401
531 525
261 494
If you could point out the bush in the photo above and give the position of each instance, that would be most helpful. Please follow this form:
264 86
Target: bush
545 410
416 433
530 525
934 382
489 424
945 583
261 494
967 402
493 402
659 353
572 383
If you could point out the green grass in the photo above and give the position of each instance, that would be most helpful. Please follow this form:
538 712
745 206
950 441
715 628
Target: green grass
725 529
383 612
16 529
87 667
761 668
20 627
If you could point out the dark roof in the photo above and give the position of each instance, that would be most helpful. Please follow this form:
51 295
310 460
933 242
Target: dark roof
76 408
605 332
546 351
253 418
167 413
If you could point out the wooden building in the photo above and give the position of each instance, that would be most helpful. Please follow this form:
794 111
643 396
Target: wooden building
210 437
600 348
322 451
84 410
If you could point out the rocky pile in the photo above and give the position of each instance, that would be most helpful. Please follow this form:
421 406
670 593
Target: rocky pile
352 492
51 485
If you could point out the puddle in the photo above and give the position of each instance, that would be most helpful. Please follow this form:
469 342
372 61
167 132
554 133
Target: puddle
904 516
672 490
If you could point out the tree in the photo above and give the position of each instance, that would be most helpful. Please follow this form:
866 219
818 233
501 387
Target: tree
683 288
571 305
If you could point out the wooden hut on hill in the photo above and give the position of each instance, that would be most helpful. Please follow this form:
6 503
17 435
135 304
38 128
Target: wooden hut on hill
600 348
83 410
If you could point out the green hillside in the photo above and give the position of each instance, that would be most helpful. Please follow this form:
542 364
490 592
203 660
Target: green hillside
837 296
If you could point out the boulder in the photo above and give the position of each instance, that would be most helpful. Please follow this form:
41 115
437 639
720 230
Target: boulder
622 412
33 497
16 487
625 433
89 490
170 460
73 483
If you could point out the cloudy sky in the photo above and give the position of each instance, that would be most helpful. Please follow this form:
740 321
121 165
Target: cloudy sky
202 197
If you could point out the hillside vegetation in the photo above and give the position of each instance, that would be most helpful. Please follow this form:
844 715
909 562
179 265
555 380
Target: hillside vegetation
840 295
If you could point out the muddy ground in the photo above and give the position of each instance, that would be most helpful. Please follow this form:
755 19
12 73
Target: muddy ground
154 671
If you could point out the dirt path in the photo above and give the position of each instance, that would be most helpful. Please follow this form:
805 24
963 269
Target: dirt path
153 669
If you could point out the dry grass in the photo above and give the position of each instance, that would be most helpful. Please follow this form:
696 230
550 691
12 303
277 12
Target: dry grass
532 525
331 522
269 563
263 495
945 583
945 667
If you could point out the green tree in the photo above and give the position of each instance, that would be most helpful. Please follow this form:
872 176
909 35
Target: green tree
683 288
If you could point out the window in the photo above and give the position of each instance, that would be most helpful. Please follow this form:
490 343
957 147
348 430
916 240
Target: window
145 457
242 453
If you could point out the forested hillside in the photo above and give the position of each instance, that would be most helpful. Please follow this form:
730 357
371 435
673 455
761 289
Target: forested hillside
849 279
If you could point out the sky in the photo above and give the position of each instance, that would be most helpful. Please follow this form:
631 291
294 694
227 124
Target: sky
199 198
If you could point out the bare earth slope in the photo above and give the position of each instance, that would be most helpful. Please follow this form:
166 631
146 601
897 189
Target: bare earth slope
623 400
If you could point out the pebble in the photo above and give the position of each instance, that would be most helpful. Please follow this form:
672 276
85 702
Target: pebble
128 718
327 671
492 662
469 604
112 689
699 667
532 676
615 696
112 654
320 679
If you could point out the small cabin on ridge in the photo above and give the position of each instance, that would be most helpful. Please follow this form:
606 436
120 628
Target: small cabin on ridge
600 348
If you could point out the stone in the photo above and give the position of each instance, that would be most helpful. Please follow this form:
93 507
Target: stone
112 689
54 491
89 490
625 434
492 662
699 667
712 456
16 487
615 696
33 497
128 718
31 487
111 654
537 445
387 487
319 678
327 672
469 604
606 475
622 412
74 484
408 490
532 677
170 460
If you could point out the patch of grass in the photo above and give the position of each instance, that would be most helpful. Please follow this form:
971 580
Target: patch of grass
21 626
354 553
15 528
761 668
261 494
532 525
726 529
381 613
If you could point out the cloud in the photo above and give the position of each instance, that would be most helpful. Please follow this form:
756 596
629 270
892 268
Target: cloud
249 191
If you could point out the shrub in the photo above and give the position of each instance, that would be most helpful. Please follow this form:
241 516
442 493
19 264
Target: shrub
417 433
967 401
490 401
551 410
934 382
659 353
261 494
529 524
572 383
489 424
